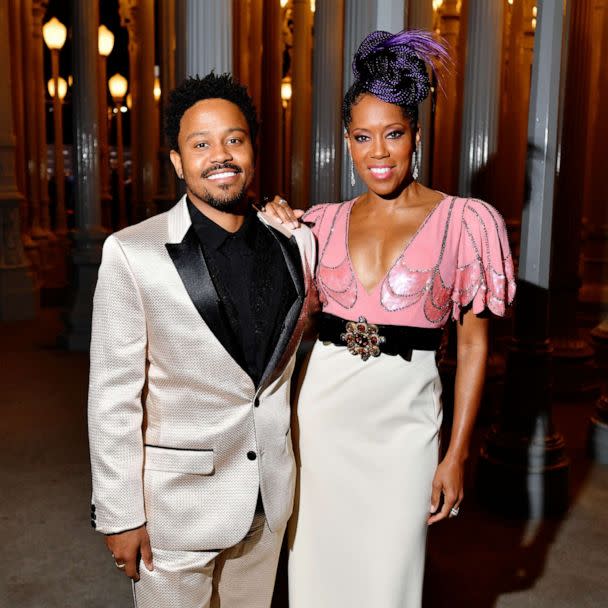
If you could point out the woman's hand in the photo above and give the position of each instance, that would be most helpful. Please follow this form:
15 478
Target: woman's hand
449 482
279 209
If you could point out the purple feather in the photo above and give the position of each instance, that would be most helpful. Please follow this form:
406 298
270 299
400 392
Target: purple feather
424 44
394 66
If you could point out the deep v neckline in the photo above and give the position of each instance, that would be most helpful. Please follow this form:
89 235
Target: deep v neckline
402 252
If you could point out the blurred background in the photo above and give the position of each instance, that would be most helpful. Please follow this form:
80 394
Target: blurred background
519 120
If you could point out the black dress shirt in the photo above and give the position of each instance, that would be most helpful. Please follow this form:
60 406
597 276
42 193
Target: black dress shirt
253 283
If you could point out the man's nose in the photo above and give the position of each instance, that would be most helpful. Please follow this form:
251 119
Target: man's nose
220 154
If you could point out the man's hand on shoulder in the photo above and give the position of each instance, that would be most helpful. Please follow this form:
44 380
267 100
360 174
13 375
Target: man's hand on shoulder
126 547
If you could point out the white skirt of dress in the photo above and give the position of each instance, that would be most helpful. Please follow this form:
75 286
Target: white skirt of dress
366 435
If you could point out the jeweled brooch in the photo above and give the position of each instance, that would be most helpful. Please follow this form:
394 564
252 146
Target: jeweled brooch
362 338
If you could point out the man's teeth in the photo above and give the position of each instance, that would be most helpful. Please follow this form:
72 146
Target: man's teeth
222 175
381 172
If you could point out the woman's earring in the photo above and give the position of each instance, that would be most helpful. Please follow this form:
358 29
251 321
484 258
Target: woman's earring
352 173
416 161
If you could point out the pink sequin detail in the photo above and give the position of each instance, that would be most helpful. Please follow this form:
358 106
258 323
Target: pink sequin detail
338 283
459 258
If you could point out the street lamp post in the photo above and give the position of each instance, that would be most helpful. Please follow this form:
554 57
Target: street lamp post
54 33
105 44
118 87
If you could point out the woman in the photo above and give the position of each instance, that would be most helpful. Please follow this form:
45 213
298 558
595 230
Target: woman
397 262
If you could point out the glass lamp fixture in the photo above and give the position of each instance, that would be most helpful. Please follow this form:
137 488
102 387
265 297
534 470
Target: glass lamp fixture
286 90
63 88
118 87
437 4
156 89
105 41
54 34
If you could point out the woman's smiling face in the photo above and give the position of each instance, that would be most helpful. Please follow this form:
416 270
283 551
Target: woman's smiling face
382 143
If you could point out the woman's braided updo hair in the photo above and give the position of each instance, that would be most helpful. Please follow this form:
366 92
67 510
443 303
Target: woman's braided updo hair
393 67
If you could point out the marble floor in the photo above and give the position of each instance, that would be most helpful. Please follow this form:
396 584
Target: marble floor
52 558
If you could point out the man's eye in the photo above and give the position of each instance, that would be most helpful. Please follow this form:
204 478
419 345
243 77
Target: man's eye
201 144
234 140
395 134
361 138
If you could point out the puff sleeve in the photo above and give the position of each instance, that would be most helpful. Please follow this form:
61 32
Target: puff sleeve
485 273
314 218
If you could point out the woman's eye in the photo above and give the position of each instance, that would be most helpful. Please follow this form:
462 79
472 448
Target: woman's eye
361 138
395 134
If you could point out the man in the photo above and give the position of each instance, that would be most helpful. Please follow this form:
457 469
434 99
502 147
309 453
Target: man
197 316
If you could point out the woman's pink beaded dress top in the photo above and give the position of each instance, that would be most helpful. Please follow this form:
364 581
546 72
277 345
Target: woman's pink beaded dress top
458 257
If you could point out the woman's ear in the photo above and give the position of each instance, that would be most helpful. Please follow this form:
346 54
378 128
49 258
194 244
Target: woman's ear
347 138
418 134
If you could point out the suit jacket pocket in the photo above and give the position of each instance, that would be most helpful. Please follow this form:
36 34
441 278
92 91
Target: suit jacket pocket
177 460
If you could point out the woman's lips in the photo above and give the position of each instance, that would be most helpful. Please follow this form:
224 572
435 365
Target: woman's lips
381 172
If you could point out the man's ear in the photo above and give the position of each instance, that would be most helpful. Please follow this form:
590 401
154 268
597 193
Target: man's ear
176 159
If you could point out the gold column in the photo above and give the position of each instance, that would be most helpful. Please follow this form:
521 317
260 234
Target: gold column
149 144
445 164
38 11
515 98
31 130
128 19
572 357
271 140
138 17
301 105
595 246
166 180
17 89
247 55
61 227
241 24
18 294
104 151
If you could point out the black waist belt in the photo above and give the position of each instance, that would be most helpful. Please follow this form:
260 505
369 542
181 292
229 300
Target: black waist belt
370 340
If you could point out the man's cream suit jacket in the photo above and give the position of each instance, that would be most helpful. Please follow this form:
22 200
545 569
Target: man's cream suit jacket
179 436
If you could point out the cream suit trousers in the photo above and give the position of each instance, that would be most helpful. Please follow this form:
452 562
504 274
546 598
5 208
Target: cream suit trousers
238 577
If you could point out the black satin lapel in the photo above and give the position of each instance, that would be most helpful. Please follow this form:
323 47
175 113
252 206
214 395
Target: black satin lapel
289 327
291 253
194 273
293 259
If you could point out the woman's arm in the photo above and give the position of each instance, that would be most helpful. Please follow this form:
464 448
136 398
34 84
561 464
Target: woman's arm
472 353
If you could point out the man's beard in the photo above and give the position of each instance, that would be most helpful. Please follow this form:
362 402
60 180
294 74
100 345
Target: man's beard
231 203
227 204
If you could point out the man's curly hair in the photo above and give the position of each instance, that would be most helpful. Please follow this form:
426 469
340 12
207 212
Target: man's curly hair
212 86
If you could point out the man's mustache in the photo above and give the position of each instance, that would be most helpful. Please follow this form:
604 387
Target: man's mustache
221 167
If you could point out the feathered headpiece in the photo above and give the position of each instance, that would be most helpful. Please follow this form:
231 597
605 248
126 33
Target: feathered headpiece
393 66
